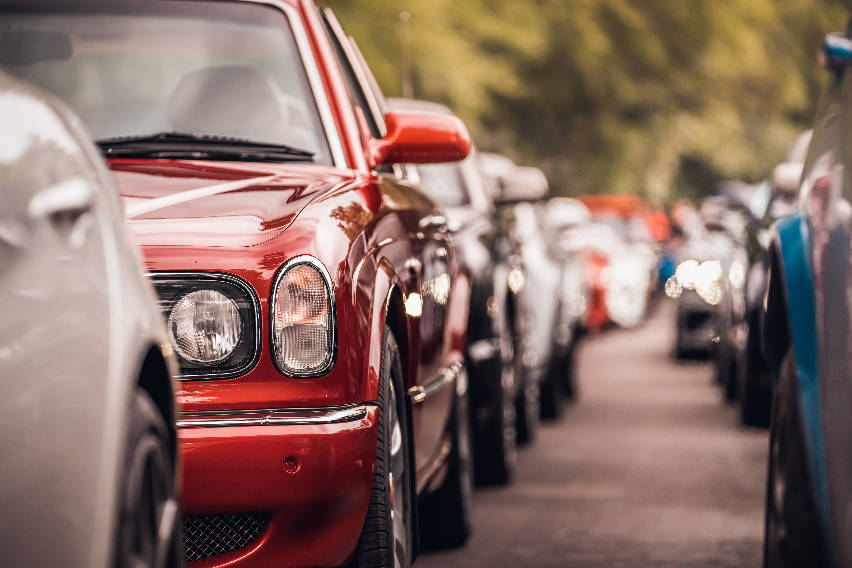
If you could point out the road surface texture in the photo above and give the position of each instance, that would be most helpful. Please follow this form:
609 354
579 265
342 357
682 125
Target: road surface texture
648 469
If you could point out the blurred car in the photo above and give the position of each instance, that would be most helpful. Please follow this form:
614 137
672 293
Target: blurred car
315 305
772 200
698 286
88 419
729 226
617 278
807 327
631 218
534 277
562 215
489 356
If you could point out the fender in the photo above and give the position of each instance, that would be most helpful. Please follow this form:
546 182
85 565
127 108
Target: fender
385 284
794 264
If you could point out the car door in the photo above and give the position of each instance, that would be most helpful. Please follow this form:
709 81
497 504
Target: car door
826 191
54 337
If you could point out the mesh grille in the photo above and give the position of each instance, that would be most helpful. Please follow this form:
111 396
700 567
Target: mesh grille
206 536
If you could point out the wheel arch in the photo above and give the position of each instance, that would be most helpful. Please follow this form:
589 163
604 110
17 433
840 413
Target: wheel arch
154 378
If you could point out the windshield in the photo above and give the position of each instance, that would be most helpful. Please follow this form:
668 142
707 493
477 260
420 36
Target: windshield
132 68
444 183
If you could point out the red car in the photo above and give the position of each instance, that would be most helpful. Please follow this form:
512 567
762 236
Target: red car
313 301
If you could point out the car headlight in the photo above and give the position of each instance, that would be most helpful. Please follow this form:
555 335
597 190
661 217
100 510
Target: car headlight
686 273
705 278
737 274
205 326
212 322
708 281
303 319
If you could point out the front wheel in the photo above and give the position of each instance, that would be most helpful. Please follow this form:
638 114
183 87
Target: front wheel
149 532
792 534
386 539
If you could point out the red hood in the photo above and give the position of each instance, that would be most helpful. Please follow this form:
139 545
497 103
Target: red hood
215 204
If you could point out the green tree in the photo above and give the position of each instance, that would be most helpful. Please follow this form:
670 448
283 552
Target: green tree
653 97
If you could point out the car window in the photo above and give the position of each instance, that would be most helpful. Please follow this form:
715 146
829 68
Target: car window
444 183
356 82
135 68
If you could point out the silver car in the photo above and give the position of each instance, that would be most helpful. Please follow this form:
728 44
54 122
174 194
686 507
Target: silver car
87 437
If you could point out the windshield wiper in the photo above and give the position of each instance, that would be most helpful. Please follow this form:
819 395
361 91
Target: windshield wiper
180 145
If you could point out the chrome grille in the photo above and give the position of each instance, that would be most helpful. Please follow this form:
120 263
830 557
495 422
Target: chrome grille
206 536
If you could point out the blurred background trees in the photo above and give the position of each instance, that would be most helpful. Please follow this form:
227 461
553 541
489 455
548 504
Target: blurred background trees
656 97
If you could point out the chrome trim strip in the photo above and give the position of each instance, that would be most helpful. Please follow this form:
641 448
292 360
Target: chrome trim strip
191 278
285 268
272 417
443 379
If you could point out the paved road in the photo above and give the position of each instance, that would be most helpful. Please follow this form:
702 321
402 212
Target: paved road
648 469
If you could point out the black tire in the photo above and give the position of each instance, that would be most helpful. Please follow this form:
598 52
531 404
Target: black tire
383 544
726 370
792 536
755 401
496 447
755 386
527 411
552 397
569 372
445 515
149 525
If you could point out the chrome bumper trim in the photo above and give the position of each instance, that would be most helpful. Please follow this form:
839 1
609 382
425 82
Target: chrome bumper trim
446 377
272 417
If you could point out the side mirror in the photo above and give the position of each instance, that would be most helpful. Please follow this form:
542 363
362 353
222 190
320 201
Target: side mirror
420 138
522 184
836 52
786 177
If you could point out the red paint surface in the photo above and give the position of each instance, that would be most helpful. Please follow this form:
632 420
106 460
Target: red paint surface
317 511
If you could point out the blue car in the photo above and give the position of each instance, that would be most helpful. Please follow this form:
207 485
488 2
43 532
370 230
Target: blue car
808 341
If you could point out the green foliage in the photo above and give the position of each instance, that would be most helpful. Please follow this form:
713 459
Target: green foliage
655 97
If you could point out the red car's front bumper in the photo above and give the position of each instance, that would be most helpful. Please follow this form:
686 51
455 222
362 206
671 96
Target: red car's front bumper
310 475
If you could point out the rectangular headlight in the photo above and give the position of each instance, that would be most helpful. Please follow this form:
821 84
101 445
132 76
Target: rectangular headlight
303 319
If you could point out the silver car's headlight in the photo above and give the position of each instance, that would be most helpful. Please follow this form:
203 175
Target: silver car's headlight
303 319
212 322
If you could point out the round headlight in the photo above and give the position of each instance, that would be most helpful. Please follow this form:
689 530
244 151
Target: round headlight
205 326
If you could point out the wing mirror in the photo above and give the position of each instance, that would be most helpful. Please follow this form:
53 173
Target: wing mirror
786 177
836 52
522 184
420 138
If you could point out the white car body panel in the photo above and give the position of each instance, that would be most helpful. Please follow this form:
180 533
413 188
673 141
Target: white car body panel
78 320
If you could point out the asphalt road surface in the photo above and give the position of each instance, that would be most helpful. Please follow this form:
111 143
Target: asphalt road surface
649 468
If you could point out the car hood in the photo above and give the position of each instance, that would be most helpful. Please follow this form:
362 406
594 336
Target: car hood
193 203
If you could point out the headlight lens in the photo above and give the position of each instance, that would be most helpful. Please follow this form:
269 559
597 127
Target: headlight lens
212 322
205 326
705 278
303 334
